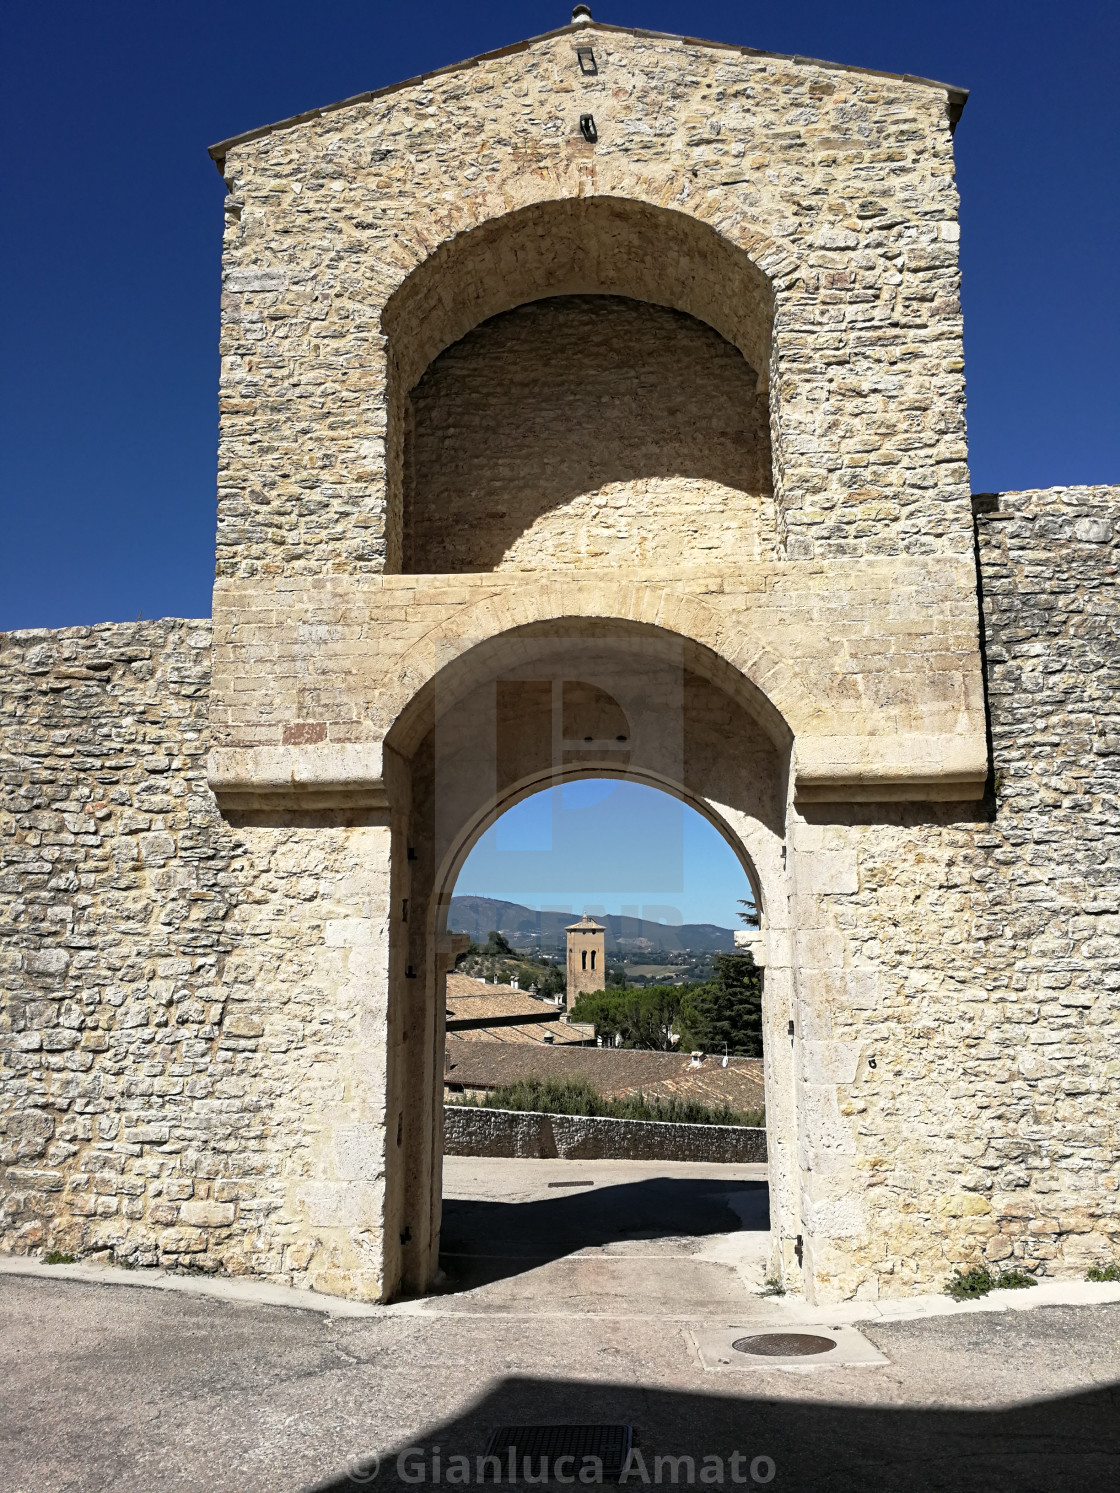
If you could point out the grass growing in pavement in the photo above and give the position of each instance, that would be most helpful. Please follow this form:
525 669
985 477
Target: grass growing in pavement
1109 1270
969 1285
555 1096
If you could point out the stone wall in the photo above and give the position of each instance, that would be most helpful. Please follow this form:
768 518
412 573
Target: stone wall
118 879
470 1131
973 953
178 1013
587 431
1039 1123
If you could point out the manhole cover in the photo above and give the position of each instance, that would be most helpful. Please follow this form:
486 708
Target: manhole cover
783 1345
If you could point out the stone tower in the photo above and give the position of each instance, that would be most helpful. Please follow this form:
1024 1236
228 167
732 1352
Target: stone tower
587 958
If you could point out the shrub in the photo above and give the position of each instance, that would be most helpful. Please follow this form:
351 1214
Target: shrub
1107 1270
577 1097
58 1257
1014 1280
969 1285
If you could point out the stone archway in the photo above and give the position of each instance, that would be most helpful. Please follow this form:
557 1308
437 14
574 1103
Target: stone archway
561 251
490 731
843 649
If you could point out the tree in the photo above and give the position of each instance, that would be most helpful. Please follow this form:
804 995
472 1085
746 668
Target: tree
646 1018
496 944
552 982
727 1012
616 978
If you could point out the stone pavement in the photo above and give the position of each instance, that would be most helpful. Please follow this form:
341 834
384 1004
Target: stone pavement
562 1304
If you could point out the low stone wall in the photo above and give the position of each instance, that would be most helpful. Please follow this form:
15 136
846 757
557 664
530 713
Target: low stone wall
469 1131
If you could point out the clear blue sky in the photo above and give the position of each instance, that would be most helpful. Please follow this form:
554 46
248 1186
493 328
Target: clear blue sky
604 846
113 219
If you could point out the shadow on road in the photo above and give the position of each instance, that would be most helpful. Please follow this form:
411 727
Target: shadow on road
483 1241
1066 1445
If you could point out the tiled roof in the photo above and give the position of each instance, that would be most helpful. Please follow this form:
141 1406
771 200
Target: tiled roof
613 1072
563 1034
472 1000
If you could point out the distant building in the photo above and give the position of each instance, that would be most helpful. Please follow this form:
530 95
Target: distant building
473 1069
480 1012
587 957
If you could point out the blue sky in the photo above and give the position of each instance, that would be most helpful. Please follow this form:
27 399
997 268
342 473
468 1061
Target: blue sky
109 254
110 268
600 845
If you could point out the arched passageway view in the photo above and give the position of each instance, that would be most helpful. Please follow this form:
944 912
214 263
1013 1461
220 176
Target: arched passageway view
603 975
586 762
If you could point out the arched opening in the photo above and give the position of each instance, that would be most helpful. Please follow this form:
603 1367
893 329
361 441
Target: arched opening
582 432
560 357
643 1047
536 707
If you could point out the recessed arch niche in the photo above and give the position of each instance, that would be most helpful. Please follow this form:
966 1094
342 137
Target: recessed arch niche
580 383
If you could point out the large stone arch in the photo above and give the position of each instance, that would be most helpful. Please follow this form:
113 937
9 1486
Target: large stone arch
630 243
456 758
747 668
614 244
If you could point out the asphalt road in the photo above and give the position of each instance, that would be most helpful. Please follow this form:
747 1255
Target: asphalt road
577 1313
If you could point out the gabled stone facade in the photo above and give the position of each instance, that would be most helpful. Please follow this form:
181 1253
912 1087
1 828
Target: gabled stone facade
714 534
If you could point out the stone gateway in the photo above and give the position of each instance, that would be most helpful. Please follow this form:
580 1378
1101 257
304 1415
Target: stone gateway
593 407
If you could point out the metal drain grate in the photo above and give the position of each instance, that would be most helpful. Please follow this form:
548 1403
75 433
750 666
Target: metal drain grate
611 1444
784 1345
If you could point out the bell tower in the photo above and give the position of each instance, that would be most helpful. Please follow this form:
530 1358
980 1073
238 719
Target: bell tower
587 957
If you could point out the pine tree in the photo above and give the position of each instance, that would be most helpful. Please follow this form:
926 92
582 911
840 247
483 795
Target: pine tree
728 1010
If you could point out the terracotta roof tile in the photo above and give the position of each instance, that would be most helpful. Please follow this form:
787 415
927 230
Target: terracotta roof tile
473 1000
613 1072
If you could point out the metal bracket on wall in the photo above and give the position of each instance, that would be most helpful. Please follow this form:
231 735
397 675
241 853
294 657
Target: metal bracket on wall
587 128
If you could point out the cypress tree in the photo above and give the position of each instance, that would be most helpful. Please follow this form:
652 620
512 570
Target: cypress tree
728 1010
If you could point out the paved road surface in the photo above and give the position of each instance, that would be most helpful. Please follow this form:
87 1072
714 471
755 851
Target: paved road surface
577 1308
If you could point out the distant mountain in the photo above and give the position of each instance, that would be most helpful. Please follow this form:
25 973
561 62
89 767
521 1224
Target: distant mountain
525 928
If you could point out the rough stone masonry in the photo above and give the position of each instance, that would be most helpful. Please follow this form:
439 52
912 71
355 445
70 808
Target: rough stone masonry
555 448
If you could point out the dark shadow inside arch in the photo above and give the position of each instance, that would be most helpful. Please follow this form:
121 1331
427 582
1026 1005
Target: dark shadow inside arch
587 431
576 251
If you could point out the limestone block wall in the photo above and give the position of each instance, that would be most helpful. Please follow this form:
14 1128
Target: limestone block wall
183 1001
973 953
195 1024
587 431
807 213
